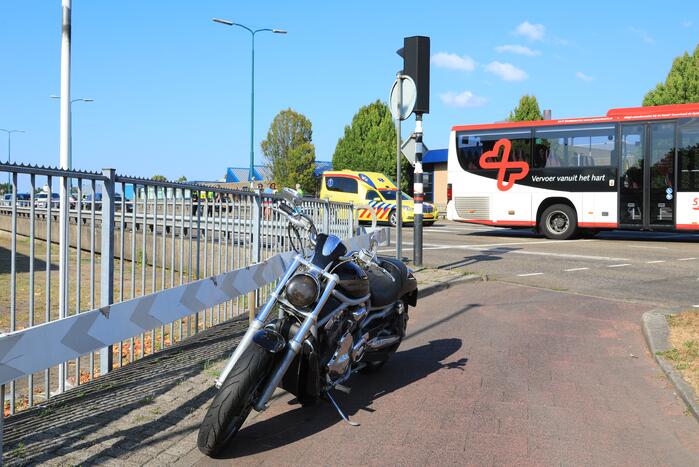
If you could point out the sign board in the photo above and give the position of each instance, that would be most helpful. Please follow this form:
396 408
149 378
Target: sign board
408 149
402 100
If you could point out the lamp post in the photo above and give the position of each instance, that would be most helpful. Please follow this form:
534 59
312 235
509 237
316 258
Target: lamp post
252 93
9 149
69 162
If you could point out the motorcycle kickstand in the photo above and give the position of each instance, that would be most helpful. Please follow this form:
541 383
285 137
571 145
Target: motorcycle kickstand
339 410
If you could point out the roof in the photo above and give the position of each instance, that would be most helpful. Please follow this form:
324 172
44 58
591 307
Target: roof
435 156
613 115
322 166
242 174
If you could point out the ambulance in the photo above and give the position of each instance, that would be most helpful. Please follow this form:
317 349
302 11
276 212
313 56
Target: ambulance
374 189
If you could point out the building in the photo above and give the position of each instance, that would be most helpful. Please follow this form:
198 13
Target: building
434 166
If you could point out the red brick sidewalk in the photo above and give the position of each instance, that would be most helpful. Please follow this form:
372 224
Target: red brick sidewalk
494 374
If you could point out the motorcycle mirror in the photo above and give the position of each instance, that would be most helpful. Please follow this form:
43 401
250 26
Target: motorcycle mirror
291 195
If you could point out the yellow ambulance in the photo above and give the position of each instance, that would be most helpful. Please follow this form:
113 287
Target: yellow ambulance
374 189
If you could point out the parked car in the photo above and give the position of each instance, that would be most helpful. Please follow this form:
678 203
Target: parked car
41 200
87 202
23 200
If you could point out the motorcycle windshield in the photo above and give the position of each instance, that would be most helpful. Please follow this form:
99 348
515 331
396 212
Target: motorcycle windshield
328 249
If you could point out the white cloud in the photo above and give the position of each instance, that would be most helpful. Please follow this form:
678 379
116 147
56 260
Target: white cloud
517 49
687 24
464 99
506 71
533 32
453 61
643 35
583 76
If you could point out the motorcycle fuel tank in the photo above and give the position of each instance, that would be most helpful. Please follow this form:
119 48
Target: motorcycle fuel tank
354 282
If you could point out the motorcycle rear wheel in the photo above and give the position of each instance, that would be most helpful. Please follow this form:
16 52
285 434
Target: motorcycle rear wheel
233 402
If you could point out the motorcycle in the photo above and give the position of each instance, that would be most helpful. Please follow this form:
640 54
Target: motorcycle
337 313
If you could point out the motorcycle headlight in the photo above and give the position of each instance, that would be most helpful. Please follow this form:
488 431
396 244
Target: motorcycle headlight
302 290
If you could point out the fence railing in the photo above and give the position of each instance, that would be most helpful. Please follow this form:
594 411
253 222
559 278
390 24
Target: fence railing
109 239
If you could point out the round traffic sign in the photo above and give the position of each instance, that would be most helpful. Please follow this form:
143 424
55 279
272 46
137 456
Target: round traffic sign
402 100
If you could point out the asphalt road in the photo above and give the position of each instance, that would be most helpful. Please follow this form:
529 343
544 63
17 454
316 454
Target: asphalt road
660 269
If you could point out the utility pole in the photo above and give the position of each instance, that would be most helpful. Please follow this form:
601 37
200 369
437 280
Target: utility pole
65 164
399 195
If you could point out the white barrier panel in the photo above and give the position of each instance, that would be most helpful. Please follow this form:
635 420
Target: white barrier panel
34 349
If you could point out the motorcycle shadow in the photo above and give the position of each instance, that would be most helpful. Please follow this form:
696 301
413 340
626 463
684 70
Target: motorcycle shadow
404 368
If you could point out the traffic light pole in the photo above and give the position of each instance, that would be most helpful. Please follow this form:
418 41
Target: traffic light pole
418 194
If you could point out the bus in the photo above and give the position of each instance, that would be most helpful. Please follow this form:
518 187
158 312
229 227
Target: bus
635 168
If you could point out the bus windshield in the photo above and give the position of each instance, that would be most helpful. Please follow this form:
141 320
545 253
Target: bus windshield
391 195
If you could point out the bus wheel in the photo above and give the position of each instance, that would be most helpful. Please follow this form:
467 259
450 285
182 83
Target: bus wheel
559 222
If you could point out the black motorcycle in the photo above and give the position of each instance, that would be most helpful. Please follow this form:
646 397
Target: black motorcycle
337 313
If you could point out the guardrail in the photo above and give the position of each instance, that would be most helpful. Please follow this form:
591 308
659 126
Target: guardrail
89 267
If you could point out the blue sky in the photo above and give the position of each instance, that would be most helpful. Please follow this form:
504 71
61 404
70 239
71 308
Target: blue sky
172 89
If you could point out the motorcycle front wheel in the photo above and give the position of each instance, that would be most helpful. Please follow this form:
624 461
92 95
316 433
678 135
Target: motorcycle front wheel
233 402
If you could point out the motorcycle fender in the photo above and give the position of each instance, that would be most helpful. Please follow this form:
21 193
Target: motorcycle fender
302 379
270 340
409 292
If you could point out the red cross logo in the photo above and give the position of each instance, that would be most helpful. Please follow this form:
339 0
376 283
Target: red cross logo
489 160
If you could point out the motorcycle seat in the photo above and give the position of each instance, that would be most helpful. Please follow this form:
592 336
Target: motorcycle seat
385 291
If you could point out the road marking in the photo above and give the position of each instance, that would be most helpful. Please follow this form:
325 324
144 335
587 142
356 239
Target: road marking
649 247
657 261
695 306
575 269
685 259
618 265
531 274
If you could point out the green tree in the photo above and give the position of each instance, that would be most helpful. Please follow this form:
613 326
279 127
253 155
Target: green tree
182 179
369 144
5 188
527 110
288 150
681 85
159 178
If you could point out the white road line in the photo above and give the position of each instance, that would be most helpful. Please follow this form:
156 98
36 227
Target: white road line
531 274
685 259
575 269
695 306
649 247
618 265
657 261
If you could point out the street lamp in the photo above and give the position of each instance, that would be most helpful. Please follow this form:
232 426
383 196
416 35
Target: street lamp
69 165
252 94
9 150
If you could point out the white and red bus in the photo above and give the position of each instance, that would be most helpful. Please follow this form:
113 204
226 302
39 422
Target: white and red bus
635 168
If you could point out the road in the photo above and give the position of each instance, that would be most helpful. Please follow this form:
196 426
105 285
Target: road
661 269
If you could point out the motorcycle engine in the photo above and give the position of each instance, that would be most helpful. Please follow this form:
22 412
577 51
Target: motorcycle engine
340 361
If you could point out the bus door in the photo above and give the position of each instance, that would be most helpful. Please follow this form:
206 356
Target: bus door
647 175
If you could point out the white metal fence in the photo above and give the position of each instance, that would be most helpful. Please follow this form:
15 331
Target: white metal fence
116 239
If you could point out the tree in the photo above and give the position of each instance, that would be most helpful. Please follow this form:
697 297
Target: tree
681 85
289 152
182 179
526 110
369 144
5 188
159 178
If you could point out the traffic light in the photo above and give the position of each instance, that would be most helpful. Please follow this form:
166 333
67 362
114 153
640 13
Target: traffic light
416 64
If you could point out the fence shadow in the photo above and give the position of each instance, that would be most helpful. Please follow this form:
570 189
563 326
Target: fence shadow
62 424
21 262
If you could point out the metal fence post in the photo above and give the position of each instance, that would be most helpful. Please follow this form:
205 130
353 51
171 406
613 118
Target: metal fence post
256 245
107 260
326 216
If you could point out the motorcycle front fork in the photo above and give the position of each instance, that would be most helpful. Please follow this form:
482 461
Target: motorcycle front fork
294 345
